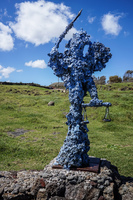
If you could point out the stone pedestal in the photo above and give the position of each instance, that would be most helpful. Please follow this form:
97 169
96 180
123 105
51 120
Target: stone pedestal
61 184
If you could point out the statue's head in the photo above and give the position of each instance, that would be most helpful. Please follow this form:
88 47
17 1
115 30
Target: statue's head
97 54
77 43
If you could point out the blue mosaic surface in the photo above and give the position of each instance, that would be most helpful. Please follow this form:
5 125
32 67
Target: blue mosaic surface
75 70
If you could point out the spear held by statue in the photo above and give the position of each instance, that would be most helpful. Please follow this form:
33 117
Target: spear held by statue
66 30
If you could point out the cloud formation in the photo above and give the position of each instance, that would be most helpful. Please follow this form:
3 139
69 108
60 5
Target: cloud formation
91 19
110 24
41 21
5 72
36 64
126 33
19 70
6 40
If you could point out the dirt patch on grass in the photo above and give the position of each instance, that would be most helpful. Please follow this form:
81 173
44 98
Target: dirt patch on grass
17 132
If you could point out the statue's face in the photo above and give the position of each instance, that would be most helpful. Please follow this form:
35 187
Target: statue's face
97 53
80 39
78 42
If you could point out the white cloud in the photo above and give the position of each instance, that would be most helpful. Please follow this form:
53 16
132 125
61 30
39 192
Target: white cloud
5 12
36 64
5 72
91 19
41 21
110 24
126 33
6 40
26 46
19 70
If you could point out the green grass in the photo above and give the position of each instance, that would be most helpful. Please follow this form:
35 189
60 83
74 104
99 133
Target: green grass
25 107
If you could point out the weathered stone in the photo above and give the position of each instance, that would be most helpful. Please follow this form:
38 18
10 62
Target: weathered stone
5 189
87 185
38 184
128 196
58 198
126 190
1 190
77 192
10 189
106 183
95 179
22 190
54 189
18 197
109 189
101 181
55 179
62 176
72 179
101 198
45 175
51 103
80 179
92 194
15 191
100 187
42 194
93 183
108 192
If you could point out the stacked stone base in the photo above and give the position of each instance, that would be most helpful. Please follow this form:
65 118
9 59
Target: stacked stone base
61 184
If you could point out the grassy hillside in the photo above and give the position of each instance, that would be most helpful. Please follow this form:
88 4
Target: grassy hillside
25 108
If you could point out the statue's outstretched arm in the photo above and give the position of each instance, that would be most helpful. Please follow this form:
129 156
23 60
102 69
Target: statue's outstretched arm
101 56
91 88
97 56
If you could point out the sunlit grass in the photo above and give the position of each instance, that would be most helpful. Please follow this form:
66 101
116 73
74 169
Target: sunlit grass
26 107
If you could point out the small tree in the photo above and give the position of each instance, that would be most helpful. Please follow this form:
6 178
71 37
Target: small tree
128 76
102 80
99 81
115 79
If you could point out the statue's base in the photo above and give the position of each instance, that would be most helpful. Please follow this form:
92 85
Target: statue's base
93 166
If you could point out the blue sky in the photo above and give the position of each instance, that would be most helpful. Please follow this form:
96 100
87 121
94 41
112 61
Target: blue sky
29 29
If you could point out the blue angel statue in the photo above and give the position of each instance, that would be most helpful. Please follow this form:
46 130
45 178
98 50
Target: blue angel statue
76 71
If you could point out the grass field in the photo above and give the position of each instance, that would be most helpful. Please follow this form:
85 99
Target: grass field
26 108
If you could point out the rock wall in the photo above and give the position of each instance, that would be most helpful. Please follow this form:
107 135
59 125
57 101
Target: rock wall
61 184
